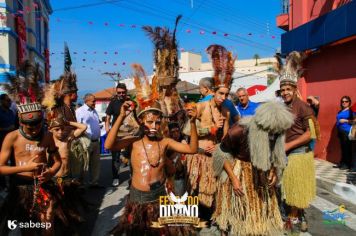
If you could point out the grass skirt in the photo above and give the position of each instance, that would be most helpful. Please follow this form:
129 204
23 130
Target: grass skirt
19 206
201 177
254 213
139 215
298 181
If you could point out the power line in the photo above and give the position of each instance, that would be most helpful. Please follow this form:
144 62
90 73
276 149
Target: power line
244 22
168 16
86 5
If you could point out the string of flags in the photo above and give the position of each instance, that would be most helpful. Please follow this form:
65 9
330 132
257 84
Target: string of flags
200 32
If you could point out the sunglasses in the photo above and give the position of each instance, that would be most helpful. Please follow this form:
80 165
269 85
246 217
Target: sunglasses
345 101
121 92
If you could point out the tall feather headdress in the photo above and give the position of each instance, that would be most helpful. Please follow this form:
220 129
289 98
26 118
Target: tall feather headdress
165 53
26 90
146 94
54 95
292 70
223 65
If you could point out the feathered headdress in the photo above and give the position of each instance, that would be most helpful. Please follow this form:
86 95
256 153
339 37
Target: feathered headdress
223 65
292 70
54 94
26 90
165 53
146 94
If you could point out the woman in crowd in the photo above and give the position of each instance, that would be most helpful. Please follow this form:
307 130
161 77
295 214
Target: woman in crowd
344 121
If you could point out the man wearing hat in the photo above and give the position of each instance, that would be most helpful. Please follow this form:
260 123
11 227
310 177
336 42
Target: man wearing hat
298 182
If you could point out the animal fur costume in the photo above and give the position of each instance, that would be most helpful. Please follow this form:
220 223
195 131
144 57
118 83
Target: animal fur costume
298 182
200 166
253 146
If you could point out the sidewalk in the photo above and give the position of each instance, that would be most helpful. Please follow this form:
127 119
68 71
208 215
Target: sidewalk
335 180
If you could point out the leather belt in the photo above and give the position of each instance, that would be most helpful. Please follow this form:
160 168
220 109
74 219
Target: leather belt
95 140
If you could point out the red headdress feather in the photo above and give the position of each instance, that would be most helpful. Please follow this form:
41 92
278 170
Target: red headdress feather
223 65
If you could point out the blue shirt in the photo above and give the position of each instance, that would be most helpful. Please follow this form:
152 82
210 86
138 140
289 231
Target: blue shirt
227 104
7 119
90 117
344 126
249 110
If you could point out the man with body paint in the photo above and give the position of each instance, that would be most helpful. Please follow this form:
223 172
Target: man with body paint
148 159
33 156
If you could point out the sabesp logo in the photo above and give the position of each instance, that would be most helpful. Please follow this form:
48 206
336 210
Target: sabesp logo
11 224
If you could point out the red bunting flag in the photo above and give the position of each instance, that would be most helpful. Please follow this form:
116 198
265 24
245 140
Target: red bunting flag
106 23
105 62
90 22
28 9
202 32
273 36
188 31
225 35
35 5
124 63
182 49
116 53
121 25
214 32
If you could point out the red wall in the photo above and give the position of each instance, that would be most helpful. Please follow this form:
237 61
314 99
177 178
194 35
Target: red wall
330 74
303 11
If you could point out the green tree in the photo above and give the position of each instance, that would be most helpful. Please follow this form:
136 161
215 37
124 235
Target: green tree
256 57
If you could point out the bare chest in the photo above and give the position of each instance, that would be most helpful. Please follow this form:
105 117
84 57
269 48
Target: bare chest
25 149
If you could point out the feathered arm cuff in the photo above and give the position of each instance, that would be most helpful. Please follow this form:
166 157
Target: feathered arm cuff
219 158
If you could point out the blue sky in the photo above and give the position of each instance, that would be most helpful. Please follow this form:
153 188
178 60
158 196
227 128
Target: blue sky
107 36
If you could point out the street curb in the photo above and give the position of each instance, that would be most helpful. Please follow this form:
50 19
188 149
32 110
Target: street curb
325 184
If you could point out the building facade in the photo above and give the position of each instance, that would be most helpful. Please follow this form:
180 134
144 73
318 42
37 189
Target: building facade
326 31
24 35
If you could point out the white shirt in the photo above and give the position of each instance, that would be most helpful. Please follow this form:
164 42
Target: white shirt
90 117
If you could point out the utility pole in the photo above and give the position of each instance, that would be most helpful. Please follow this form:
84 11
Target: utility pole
114 76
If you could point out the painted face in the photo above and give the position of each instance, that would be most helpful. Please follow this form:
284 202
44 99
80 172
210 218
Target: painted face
32 129
288 92
221 95
121 94
152 123
58 132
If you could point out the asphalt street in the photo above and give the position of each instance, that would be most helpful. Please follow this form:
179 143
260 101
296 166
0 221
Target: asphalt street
108 202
